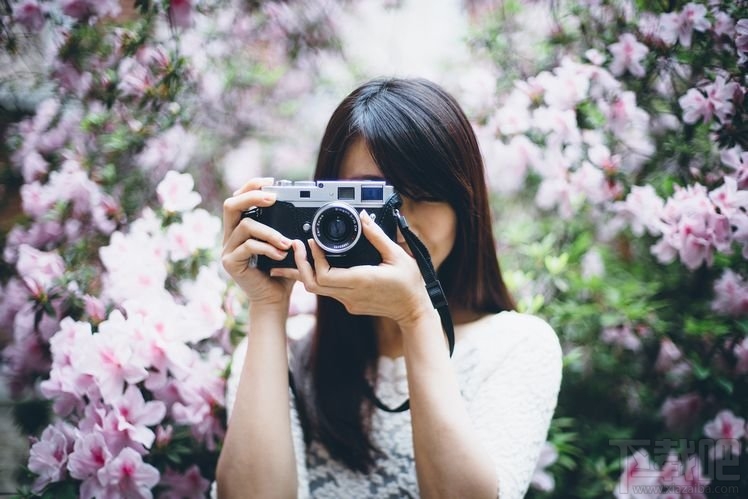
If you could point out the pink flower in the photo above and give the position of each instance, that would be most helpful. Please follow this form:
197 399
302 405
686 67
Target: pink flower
741 39
692 482
170 150
740 350
89 455
681 412
180 13
628 54
622 336
727 430
639 472
737 159
187 485
643 209
680 26
94 308
175 192
724 25
48 457
39 269
134 415
29 14
128 476
542 479
111 357
730 294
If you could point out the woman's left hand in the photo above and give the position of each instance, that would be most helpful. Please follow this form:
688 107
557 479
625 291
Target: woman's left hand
393 289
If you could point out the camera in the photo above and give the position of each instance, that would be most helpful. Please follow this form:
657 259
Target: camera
328 212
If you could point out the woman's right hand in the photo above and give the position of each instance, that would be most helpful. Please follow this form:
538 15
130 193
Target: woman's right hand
245 238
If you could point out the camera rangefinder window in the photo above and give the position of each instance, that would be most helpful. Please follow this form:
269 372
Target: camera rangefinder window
336 227
346 193
371 193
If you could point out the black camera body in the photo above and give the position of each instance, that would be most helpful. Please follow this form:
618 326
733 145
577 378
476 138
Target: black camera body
328 212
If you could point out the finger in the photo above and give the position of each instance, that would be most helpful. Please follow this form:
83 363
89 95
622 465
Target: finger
286 272
255 183
249 228
376 236
238 259
335 278
321 265
235 205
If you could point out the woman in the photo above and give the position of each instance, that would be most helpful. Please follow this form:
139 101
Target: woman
477 420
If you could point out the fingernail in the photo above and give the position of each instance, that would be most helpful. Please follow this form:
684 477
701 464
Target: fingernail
286 243
269 196
365 216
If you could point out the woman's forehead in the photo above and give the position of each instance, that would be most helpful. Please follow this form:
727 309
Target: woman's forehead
358 163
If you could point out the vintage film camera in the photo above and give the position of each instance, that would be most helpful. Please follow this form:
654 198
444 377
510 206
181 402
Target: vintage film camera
328 212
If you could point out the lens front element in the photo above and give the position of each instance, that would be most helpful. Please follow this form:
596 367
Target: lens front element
336 227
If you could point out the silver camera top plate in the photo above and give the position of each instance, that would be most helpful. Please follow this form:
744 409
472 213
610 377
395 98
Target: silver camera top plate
311 194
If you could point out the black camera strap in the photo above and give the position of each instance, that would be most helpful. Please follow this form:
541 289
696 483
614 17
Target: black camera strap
436 294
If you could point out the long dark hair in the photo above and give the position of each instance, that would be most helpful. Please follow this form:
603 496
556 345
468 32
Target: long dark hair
425 146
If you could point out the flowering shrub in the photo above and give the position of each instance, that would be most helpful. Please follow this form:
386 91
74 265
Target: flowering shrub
116 324
634 244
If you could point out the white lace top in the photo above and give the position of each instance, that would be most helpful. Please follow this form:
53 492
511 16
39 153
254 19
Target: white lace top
509 370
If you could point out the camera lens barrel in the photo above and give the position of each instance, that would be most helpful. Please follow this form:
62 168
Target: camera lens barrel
336 227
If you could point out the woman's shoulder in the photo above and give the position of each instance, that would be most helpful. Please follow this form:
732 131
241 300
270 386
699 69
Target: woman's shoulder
511 333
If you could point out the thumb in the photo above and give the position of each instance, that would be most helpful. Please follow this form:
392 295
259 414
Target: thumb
376 236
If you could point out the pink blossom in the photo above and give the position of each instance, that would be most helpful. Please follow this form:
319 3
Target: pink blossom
180 13
740 350
727 430
680 26
188 485
39 269
134 415
127 476
175 192
542 479
737 159
730 294
724 25
34 167
30 14
48 457
741 39
628 55
172 149
135 79
71 79
623 113
89 455
681 412
111 358
642 208
668 356
36 201
692 228
622 336
714 100
692 482
639 472
13 296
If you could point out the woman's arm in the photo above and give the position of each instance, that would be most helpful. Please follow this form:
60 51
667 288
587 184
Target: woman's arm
451 460
257 458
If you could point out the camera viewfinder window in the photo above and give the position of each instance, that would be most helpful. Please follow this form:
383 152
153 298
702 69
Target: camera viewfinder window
346 193
369 193
305 194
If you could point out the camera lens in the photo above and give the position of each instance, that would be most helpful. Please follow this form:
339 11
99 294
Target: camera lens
336 227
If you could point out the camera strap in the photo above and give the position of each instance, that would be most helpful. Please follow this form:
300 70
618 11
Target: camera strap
433 287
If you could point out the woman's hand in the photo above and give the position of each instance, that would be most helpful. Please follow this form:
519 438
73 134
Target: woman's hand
393 289
246 238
